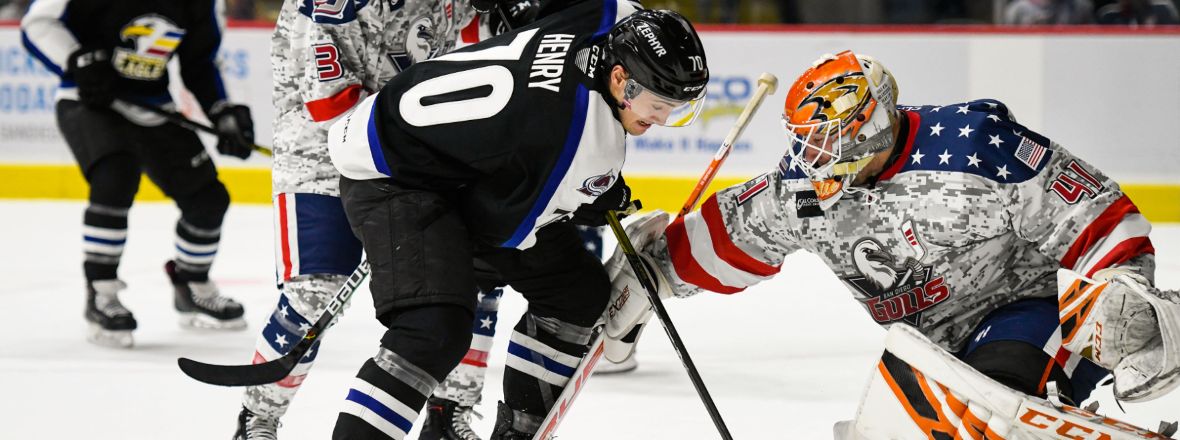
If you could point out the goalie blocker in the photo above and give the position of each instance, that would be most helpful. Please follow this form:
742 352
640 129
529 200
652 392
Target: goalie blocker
919 390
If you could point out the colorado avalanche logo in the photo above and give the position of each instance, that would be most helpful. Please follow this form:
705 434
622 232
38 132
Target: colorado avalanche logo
892 288
597 185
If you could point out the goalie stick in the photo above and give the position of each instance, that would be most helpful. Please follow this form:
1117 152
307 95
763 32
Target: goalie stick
181 121
276 370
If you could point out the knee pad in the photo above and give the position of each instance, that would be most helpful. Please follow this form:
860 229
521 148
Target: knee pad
205 207
433 337
1020 366
114 180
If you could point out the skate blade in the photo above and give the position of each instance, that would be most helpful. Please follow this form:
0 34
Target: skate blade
200 321
109 338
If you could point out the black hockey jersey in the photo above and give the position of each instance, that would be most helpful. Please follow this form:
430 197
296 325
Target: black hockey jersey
518 125
141 35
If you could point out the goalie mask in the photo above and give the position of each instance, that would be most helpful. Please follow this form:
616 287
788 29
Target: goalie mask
665 64
837 115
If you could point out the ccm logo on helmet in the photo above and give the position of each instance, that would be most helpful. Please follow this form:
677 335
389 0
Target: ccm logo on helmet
645 30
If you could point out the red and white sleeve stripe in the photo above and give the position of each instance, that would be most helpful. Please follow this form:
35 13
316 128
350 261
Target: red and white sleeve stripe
703 253
325 109
1117 235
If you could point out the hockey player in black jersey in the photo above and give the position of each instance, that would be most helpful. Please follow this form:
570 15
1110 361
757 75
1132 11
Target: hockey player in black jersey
484 155
109 54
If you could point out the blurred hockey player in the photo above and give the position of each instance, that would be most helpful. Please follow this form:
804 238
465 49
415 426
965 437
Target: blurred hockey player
1018 259
482 155
108 54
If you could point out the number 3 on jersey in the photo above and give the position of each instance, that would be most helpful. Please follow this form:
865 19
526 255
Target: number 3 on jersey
327 61
466 95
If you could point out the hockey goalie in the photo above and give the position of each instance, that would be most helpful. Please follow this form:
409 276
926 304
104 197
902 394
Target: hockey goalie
1014 275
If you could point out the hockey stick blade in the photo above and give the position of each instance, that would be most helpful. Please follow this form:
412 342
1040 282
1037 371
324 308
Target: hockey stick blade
243 375
276 370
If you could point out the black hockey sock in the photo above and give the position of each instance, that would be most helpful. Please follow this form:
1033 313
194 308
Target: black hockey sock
199 229
543 354
384 399
104 232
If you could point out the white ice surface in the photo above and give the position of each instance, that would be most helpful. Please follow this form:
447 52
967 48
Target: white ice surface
783 360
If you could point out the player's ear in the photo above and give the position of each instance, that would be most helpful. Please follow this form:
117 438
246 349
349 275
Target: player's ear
618 80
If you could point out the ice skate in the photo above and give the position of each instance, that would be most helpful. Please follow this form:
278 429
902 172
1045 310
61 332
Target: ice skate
201 305
447 420
254 427
507 424
110 323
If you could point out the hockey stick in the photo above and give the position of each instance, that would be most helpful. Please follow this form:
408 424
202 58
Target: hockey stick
181 121
653 296
276 370
767 83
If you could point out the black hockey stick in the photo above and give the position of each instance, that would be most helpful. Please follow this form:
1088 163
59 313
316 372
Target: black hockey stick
180 120
652 295
276 370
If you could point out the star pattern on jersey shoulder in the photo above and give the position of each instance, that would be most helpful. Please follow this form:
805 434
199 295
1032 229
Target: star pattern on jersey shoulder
995 140
962 109
973 160
1002 171
936 129
945 157
966 131
993 117
917 157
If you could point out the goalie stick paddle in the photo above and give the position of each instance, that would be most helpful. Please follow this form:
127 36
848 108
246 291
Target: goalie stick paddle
645 279
276 370
767 83
180 120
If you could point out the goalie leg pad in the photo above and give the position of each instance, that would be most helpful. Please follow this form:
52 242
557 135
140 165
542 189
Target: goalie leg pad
920 391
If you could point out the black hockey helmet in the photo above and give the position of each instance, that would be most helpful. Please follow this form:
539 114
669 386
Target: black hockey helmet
662 53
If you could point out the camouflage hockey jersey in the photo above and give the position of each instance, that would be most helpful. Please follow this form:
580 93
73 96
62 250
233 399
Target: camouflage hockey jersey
976 212
327 55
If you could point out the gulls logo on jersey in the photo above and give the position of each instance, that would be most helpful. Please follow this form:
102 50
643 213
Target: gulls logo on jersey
892 288
597 185
148 43
421 44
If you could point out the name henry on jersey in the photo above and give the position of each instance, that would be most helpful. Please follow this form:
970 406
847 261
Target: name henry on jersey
550 61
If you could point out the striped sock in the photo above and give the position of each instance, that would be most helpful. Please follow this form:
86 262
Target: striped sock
543 354
464 384
104 233
385 399
195 249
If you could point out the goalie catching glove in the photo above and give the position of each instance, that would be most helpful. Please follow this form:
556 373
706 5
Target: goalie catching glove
1122 323
629 307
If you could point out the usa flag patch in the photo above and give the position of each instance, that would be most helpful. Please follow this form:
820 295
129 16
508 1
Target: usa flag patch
1030 153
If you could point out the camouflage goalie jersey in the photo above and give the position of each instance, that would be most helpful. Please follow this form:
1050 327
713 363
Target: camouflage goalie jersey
327 55
975 212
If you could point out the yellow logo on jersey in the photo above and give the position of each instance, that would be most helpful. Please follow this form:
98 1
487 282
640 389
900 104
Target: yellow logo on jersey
152 40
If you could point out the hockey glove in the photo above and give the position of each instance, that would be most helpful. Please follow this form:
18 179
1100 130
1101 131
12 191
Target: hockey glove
236 129
513 14
94 75
629 307
617 198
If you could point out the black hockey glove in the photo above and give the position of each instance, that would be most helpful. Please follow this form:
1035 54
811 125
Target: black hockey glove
513 14
617 198
94 75
236 129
